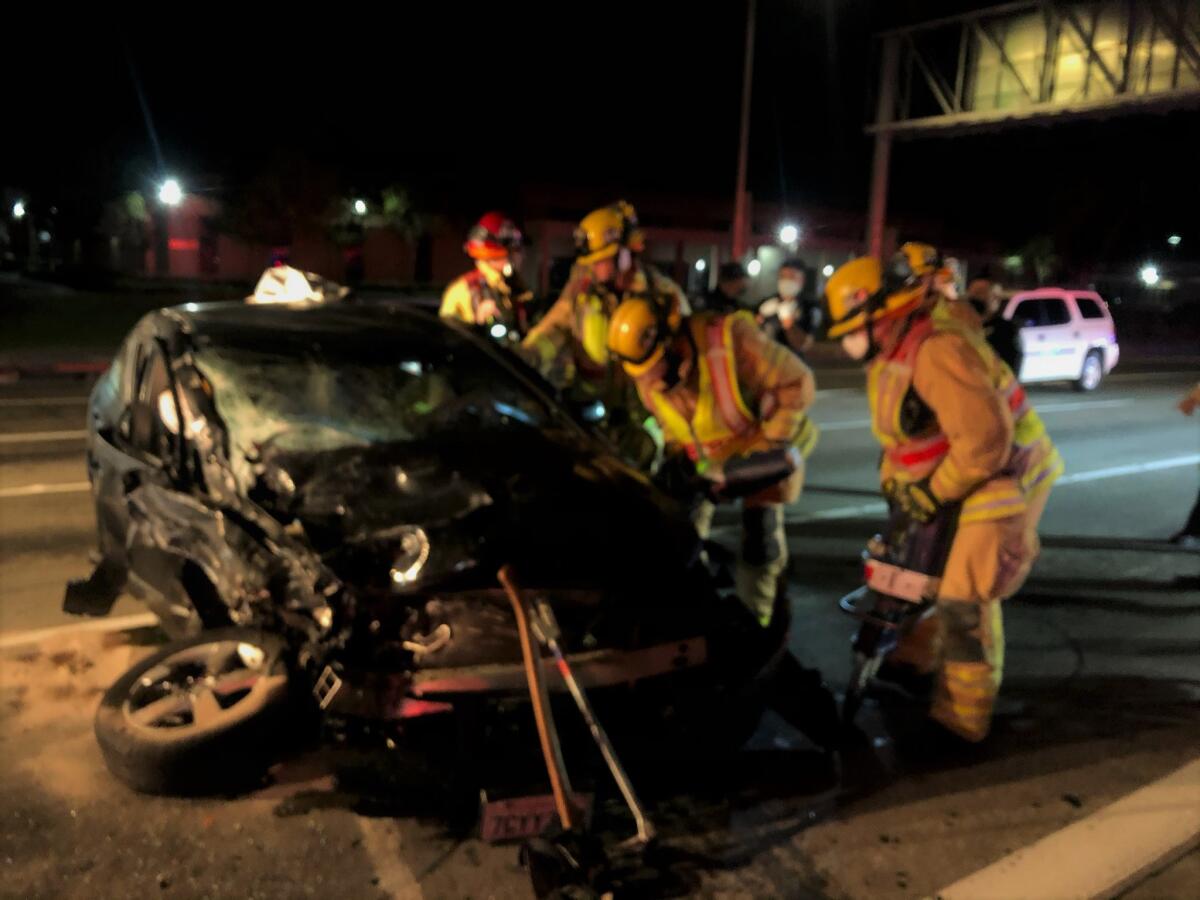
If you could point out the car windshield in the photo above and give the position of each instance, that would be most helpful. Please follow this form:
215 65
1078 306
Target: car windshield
334 388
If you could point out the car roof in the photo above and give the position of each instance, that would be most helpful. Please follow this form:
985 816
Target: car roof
239 314
247 324
1056 292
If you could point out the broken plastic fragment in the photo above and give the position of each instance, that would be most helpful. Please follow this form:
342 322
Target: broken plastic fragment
414 552
166 412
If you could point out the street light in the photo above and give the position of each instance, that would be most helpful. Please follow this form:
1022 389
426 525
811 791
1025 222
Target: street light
360 207
701 265
789 233
170 193
1174 240
18 210
753 268
1149 275
828 270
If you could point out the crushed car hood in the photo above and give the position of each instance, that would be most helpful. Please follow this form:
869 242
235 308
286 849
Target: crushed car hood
551 505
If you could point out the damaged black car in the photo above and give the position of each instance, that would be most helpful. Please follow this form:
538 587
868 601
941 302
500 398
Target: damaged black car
317 501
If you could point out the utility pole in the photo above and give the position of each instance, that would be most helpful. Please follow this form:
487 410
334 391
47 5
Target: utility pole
741 227
885 112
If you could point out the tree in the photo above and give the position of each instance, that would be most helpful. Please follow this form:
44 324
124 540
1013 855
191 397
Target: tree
125 219
290 198
1040 253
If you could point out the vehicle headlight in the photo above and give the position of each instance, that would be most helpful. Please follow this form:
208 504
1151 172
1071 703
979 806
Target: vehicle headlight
411 559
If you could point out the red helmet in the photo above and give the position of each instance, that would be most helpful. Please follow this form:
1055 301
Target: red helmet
494 236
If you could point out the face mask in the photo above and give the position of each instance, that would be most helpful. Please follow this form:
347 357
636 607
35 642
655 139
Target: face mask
857 344
788 287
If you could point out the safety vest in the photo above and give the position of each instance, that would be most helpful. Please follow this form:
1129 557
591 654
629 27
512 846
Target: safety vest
466 294
591 309
914 445
480 290
722 424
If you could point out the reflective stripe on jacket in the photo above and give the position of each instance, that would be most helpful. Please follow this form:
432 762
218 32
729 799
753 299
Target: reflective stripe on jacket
946 408
728 417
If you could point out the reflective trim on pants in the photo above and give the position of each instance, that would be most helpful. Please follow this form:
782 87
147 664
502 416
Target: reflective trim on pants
964 640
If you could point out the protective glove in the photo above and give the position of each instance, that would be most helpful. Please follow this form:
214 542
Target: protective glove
914 499
677 476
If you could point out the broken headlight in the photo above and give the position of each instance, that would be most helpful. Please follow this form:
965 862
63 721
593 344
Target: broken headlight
412 556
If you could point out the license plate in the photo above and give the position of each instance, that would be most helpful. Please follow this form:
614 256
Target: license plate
518 818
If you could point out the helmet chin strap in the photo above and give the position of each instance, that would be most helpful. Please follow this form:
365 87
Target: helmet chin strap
674 360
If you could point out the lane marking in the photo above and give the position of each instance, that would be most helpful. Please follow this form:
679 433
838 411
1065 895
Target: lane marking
841 512
1175 462
119 623
35 490
42 401
1072 405
866 509
42 437
844 426
1103 854
1069 406
385 848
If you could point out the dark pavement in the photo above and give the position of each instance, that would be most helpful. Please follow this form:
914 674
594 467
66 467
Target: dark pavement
1102 694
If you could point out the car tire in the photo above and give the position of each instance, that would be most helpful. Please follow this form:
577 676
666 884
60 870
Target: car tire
1092 372
201 715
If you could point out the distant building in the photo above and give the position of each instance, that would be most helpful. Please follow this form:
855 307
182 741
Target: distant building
688 237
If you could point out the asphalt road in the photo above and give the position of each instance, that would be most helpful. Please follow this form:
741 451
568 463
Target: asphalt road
1131 461
1103 686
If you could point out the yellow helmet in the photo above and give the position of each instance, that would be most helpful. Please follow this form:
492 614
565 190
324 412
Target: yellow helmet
603 232
923 259
638 332
858 289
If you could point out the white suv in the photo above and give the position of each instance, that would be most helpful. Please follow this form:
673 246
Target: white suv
1065 336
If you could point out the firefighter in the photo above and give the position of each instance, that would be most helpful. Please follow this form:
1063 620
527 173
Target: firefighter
720 389
957 432
568 344
492 294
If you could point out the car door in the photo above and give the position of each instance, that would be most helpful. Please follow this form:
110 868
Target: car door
1063 340
115 459
1035 361
159 508
1094 324
1046 339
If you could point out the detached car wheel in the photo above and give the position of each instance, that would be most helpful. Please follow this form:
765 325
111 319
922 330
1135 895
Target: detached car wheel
201 715
1092 373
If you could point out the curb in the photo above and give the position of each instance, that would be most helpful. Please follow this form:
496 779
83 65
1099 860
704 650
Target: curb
73 369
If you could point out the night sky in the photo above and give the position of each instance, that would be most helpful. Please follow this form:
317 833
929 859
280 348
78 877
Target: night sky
469 106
